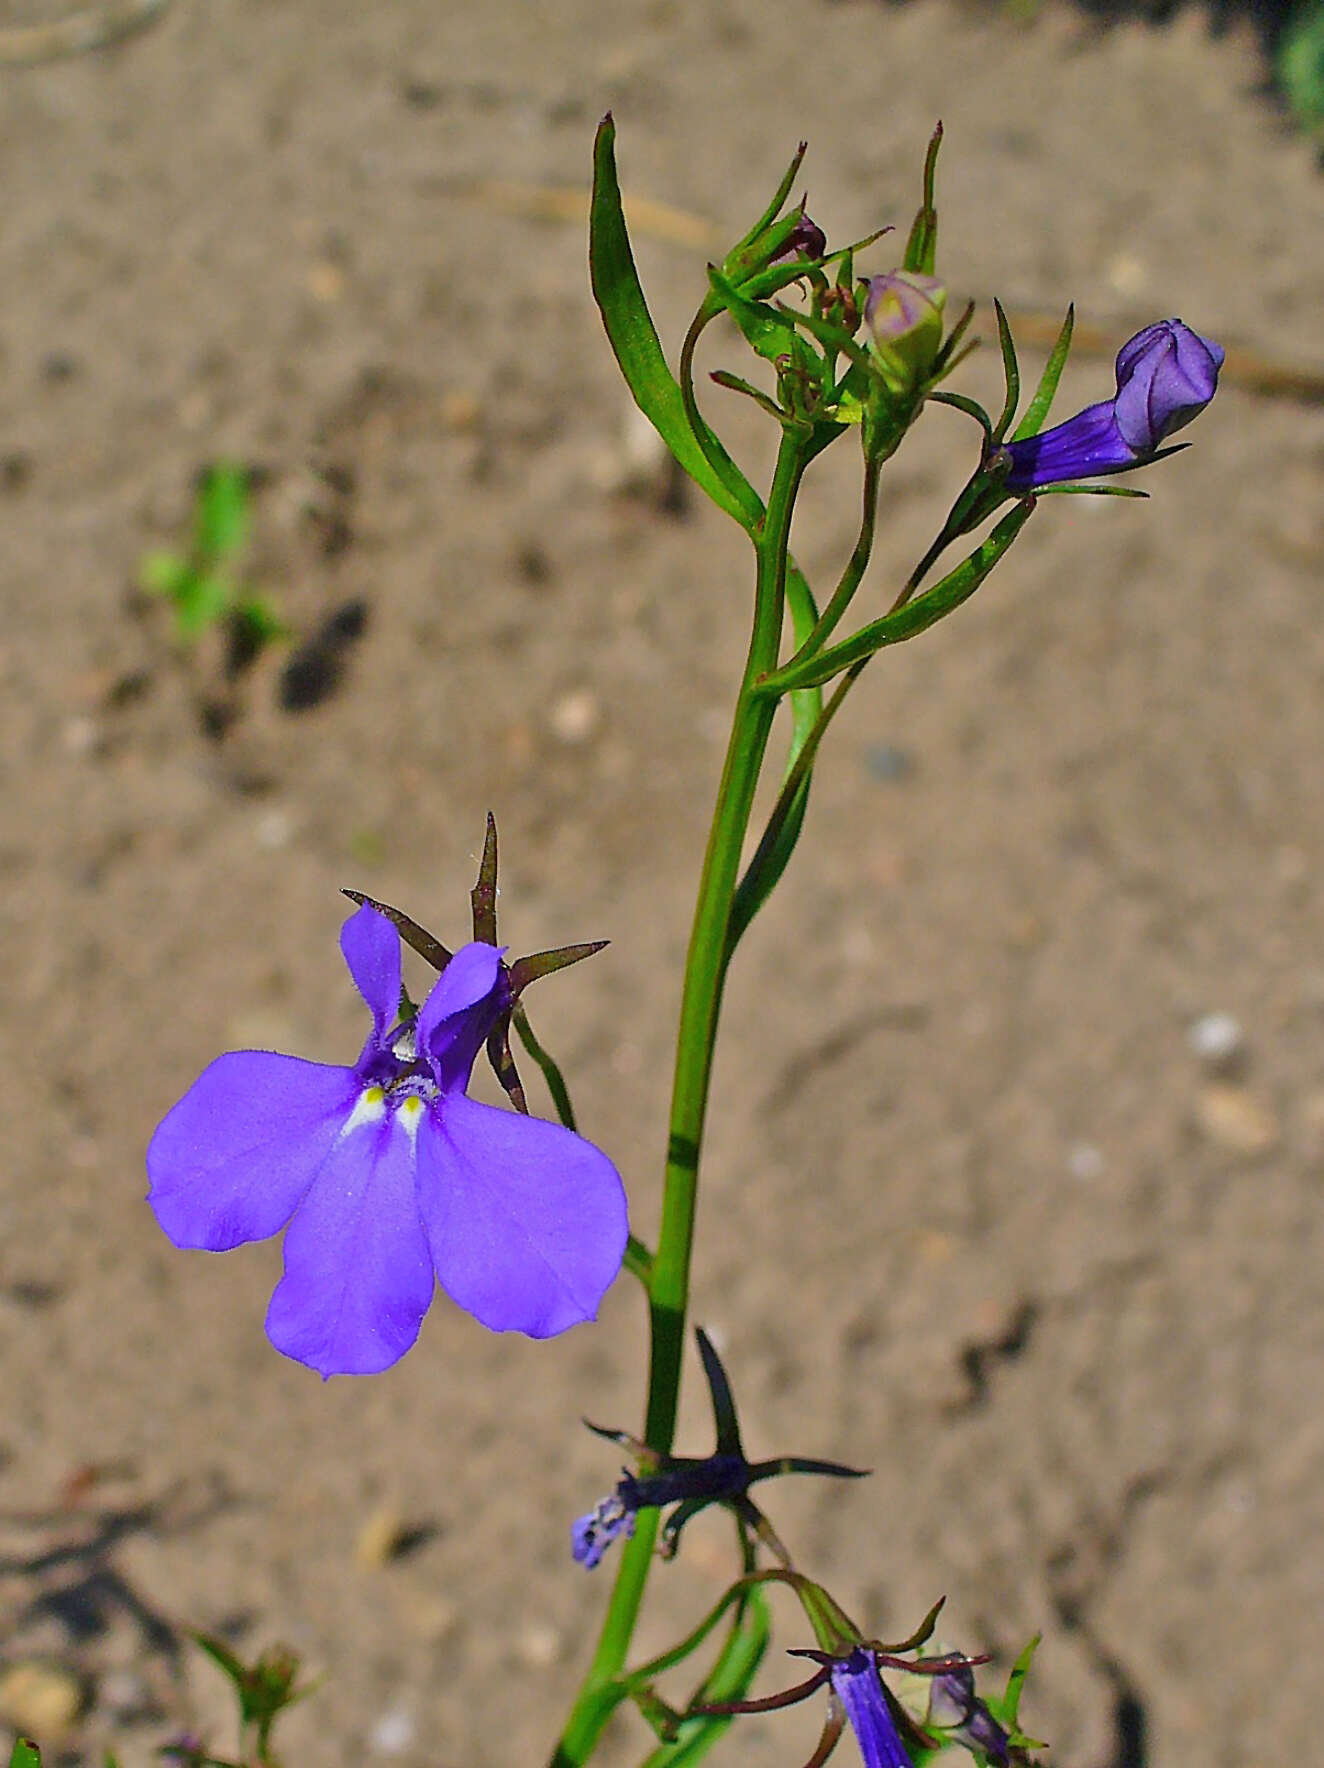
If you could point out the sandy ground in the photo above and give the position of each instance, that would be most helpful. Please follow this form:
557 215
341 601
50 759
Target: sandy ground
976 1214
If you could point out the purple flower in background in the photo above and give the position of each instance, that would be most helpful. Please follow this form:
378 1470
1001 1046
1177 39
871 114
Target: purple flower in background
390 1177
956 1710
1166 375
858 1686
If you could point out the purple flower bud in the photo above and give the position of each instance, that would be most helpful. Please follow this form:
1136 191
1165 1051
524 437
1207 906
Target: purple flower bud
955 1708
808 239
1166 375
903 310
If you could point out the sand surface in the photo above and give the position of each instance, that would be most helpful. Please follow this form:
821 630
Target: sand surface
976 1214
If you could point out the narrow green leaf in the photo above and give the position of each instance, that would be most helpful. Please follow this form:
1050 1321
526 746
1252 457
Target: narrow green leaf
912 619
222 511
25 1754
1011 373
922 245
1037 410
634 341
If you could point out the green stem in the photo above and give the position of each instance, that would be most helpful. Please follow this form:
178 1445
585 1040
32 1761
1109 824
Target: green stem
705 975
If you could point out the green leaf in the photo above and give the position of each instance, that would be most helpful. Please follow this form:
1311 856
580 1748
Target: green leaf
1037 410
768 332
163 573
25 1754
634 341
201 600
922 245
912 619
222 511
773 209
1300 63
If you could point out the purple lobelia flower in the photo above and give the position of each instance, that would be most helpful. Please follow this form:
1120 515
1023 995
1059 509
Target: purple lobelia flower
389 1177
690 1483
1166 375
858 1686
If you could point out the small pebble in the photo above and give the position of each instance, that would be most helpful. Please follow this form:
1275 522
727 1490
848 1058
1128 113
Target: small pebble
1217 1039
539 1645
1084 1162
380 1538
393 1733
1235 1119
575 716
274 830
42 1699
888 763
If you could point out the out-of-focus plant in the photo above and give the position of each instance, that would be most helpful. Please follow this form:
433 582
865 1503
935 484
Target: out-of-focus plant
204 585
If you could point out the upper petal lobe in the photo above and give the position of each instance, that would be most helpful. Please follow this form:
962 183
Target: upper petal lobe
358 1279
371 948
526 1220
230 1162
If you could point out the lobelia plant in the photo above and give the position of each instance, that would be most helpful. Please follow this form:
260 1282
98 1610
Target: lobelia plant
388 1178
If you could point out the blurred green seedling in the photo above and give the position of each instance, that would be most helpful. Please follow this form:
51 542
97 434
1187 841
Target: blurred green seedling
263 1690
204 585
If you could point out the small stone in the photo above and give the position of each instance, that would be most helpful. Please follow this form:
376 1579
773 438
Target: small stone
1084 1162
539 1645
380 1538
326 281
274 830
393 1732
1217 1039
44 1700
575 716
888 762
1235 1119
82 736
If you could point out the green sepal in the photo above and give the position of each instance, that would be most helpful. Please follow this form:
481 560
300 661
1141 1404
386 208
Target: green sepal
634 342
1092 490
833 1628
1037 410
971 408
739 255
922 245
25 1754
1011 373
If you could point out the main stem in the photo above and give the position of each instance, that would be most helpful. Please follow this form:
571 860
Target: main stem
701 1001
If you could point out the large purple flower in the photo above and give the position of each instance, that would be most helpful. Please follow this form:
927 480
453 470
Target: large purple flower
390 1177
1166 375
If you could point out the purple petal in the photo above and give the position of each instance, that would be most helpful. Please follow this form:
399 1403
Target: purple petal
856 1682
460 1011
358 1279
1086 444
372 951
1166 375
526 1221
231 1161
591 1535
